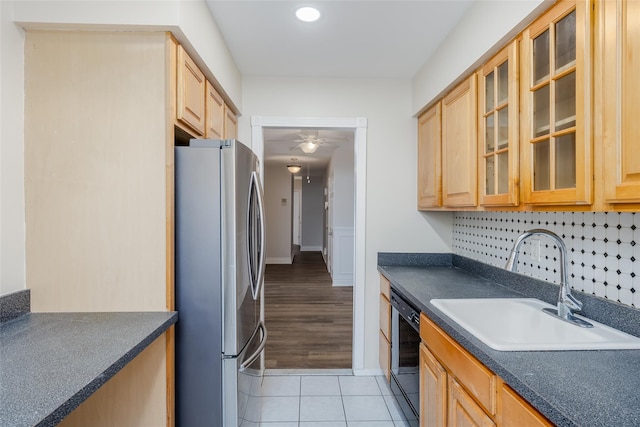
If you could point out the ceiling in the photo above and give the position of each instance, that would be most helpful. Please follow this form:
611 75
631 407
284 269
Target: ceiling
352 38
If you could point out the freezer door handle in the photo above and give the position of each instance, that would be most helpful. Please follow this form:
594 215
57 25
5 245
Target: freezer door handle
256 354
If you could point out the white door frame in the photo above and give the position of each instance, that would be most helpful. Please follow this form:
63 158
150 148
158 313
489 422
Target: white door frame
359 125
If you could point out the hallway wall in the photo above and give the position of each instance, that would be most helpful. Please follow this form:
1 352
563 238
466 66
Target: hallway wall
278 187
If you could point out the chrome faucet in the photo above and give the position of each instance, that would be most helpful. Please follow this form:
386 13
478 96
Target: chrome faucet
567 303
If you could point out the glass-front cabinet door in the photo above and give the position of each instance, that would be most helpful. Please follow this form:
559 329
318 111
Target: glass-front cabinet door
556 136
498 129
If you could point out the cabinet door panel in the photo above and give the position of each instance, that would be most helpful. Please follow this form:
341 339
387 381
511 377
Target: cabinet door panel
479 380
459 146
430 158
433 390
384 348
191 91
621 96
385 317
463 410
230 124
498 166
215 113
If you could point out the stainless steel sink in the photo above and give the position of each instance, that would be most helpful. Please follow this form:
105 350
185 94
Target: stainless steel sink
520 324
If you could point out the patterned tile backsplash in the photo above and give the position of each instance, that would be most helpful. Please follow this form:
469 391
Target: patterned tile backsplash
603 247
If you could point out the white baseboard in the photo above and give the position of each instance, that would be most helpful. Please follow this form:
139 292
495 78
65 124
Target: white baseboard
311 248
342 283
279 260
368 372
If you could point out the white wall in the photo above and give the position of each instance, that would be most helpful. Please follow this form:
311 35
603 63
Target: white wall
277 186
393 223
486 24
312 213
12 228
189 20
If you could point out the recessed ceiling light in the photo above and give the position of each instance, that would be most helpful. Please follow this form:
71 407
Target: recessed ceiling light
307 14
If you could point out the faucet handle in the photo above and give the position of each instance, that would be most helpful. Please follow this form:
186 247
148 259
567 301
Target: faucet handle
571 302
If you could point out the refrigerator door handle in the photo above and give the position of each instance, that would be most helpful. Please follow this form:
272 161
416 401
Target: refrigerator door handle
257 279
256 354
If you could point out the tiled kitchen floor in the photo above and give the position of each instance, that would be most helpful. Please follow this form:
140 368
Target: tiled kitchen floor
327 400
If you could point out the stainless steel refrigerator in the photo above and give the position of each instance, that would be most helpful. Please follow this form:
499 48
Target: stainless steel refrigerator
220 261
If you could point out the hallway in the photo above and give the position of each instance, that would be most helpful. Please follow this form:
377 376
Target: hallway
309 321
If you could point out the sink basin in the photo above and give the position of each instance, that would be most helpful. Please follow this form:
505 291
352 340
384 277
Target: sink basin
519 324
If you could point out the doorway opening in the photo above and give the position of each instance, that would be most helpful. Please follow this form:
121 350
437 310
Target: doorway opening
357 127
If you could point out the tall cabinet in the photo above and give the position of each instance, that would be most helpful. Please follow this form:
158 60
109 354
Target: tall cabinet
99 137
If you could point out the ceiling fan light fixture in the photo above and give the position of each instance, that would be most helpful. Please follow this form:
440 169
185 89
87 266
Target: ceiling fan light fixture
294 167
307 14
309 147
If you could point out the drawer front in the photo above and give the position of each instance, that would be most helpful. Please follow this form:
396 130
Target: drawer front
385 317
516 412
385 287
473 375
385 356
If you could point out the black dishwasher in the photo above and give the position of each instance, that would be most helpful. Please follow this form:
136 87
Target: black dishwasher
405 356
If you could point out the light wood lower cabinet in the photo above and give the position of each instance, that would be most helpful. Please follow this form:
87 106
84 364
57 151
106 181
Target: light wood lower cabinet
463 410
433 390
516 412
457 390
385 327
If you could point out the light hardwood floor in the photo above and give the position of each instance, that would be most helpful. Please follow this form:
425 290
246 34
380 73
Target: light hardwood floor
309 321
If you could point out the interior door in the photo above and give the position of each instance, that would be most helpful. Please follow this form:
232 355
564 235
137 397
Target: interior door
297 217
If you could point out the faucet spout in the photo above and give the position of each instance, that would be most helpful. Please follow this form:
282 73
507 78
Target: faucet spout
567 303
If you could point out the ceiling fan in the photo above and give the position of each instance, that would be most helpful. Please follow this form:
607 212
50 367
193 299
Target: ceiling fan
309 142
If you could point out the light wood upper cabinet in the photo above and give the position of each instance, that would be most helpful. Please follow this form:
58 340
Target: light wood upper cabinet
215 113
557 163
230 124
430 158
191 93
620 62
498 136
459 146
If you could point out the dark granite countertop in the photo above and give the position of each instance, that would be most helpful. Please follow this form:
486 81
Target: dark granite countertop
52 362
571 388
